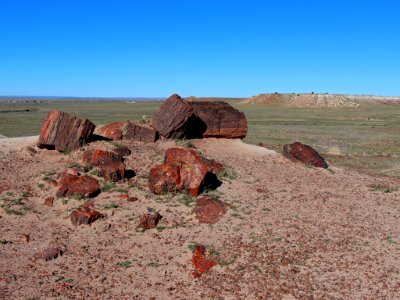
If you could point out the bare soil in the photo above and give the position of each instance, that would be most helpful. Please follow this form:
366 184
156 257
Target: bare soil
292 232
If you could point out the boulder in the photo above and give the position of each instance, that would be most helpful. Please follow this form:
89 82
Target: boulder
149 221
201 263
110 163
49 253
164 179
304 153
173 118
85 215
62 132
219 119
84 186
193 168
209 210
128 130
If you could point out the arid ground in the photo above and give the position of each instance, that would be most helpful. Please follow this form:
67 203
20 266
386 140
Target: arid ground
291 232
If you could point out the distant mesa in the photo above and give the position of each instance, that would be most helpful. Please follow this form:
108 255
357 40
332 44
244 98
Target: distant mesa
303 100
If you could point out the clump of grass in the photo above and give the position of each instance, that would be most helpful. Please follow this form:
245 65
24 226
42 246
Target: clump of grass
74 165
383 188
110 205
41 186
120 190
77 196
192 245
213 194
96 172
390 240
3 242
186 199
124 264
227 173
106 186
64 201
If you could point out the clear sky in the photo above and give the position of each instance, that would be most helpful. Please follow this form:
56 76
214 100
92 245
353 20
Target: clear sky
199 47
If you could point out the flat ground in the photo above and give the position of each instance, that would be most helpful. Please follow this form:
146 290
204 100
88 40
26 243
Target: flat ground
364 138
292 232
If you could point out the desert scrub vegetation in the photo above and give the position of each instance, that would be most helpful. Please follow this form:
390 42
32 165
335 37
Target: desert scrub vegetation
227 173
383 188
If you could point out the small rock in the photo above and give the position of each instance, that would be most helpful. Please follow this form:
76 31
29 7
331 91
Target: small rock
49 253
49 201
304 153
164 179
85 186
200 262
110 163
132 199
85 215
149 221
210 210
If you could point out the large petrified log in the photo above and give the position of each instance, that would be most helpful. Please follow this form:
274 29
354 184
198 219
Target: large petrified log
304 153
128 130
197 119
61 131
220 118
173 118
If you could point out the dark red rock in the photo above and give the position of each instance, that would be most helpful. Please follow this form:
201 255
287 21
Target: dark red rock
128 130
110 163
149 221
201 263
85 215
210 210
192 168
173 118
49 201
49 253
304 153
122 151
132 199
85 186
219 119
164 179
61 131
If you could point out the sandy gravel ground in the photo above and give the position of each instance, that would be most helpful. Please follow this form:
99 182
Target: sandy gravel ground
292 232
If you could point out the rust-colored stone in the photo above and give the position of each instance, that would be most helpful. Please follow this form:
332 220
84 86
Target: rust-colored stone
192 168
164 179
210 210
110 163
85 215
200 262
49 253
132 199
85 186
61 131
304 153
128 130
49 201
149 221
219 119
172 119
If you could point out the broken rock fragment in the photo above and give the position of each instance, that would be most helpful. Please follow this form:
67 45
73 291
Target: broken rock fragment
149 220
305 154
49 253
85 215
209 210
110 163
201 263
128 130
61 131
84 186
164 179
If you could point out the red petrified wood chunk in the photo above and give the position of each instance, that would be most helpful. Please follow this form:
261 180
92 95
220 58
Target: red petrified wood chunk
85 215
48 253
200 262
304 153
61 131
221 119
210 210
149 221
193 168
110 163
172 118
164 179
49 201
85 186
128 130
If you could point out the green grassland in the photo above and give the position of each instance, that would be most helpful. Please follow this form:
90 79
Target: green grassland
366 138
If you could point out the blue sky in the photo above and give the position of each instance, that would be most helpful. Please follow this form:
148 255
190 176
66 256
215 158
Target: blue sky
201 48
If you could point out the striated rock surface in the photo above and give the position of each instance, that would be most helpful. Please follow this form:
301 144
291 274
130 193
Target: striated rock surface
304 153
173 118
209 210
61 131
84 186
128 130
219 119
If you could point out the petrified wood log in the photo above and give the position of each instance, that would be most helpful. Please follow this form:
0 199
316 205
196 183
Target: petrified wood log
128 130
61 131
304 153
